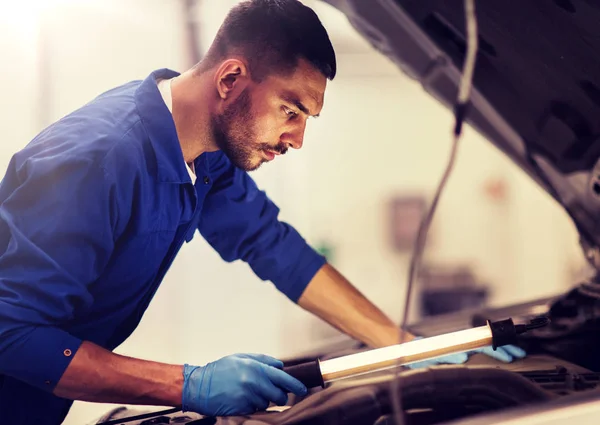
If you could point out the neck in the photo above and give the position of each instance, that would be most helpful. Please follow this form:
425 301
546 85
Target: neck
191 114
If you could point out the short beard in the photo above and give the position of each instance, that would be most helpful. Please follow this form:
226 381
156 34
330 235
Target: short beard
233 134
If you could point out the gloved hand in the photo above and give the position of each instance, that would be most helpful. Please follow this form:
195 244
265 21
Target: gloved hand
237 385
506 354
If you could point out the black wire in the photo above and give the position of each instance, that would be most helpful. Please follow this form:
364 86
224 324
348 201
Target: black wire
460 111
140 417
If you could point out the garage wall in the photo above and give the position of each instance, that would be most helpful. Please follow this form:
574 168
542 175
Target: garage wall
18 112
379 135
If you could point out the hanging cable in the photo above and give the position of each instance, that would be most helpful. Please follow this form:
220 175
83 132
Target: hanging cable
460 112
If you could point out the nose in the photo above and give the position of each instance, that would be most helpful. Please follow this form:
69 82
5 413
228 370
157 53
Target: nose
295 137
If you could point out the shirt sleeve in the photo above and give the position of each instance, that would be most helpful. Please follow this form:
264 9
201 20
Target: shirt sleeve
240 222
55 238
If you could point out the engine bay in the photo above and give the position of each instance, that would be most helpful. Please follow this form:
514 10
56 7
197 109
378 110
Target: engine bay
562 362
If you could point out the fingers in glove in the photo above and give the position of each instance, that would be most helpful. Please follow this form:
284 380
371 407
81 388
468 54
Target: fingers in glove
262 358
271 392
458 358
262 404
420 365
500 354
257 401
285 381
516 352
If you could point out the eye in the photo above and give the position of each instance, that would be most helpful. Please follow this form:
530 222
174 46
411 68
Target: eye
289 112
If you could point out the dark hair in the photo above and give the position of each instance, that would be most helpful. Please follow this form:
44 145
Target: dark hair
272 35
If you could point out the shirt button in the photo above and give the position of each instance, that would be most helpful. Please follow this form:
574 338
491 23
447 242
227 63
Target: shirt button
47 382
67 352
206 180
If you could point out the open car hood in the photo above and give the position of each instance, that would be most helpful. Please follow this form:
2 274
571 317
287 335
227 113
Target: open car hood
536 89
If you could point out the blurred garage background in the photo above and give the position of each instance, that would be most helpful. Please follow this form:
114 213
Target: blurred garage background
354 191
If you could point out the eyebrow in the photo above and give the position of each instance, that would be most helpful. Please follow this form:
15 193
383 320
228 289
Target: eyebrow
293 99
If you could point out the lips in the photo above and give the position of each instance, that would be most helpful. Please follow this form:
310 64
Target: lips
270 155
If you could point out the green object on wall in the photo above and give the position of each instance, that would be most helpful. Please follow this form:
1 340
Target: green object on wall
326 249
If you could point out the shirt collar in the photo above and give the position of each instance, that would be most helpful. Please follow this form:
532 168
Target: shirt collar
164 87
160 127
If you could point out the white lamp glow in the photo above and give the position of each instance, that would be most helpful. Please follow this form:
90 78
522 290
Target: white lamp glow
409 352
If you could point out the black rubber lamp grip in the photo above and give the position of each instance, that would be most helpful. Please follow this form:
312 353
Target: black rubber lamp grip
308 373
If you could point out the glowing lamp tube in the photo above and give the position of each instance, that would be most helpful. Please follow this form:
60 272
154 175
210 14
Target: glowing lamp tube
317 373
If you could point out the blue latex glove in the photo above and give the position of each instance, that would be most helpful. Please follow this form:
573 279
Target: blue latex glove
237 385
506 354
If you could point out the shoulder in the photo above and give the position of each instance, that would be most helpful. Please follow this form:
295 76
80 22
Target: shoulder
99 126
104 132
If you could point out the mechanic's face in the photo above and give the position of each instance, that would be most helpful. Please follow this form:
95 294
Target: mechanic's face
268 118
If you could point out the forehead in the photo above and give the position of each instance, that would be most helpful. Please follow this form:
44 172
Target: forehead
306 82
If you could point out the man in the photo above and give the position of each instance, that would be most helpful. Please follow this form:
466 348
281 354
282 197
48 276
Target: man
95 208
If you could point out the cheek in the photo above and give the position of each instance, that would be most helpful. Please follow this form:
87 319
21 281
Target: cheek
266 128
269 117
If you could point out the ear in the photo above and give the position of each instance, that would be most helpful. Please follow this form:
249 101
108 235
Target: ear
231 77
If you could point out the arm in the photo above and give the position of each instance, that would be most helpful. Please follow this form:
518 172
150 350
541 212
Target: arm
59 218
46 260
332 298
97 375
234 385
246 227
241 223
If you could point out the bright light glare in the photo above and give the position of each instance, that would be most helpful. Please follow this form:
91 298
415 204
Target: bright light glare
12 9
21 15
24 15
389 357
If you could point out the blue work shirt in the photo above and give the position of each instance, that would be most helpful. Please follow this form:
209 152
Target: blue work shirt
92 213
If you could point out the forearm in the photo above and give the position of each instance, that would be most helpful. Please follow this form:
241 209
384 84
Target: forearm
97 375
334 299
